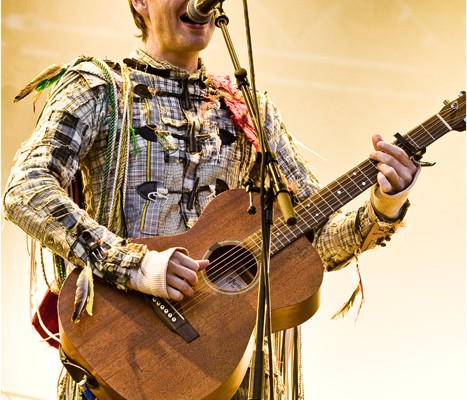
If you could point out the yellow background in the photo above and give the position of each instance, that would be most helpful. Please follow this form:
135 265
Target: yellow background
339 71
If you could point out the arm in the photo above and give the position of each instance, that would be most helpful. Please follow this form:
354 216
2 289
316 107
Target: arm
35 198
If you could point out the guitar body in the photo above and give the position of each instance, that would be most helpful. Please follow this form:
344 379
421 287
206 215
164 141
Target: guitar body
133 355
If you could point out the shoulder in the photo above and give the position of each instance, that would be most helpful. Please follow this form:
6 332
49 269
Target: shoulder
84 72
95 71
85 84
85 79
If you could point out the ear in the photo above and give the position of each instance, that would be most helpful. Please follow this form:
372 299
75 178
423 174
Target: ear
141 7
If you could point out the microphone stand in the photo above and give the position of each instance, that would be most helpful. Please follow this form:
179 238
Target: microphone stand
278 190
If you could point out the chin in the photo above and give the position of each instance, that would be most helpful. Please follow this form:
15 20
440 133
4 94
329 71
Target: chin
196 45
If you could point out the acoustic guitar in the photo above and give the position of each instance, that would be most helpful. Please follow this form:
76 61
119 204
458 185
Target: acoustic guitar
137 347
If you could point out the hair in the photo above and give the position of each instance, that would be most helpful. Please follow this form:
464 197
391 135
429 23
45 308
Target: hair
139 22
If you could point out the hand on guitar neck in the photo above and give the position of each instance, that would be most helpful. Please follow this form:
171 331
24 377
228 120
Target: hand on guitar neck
397 173
396 170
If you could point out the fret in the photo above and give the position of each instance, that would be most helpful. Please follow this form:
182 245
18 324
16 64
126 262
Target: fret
353 178
414 142
323 195
429 133
337 193
368 181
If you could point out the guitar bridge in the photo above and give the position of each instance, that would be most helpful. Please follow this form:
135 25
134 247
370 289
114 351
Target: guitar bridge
172 318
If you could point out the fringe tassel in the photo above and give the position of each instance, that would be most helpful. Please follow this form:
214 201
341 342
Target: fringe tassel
116 219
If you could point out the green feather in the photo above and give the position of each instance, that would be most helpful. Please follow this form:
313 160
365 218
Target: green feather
48 82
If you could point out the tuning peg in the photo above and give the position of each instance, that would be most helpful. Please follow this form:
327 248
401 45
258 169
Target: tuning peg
446 102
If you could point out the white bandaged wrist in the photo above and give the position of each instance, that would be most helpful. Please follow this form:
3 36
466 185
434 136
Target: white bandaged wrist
151 275
389 205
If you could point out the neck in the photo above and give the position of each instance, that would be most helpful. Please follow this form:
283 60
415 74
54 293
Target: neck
186 61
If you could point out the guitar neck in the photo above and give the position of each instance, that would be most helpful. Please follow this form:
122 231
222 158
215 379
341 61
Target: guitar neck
316 209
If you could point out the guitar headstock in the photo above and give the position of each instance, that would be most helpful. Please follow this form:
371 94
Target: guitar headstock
454 113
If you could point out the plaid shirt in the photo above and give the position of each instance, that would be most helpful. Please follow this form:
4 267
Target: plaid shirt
182 149
168 108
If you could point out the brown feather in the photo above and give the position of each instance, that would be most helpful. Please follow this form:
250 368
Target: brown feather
348 304
35 99
81 295
47 73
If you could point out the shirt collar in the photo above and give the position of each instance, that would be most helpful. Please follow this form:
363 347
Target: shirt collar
175 72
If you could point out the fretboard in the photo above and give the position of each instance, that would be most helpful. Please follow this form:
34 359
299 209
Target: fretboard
316 209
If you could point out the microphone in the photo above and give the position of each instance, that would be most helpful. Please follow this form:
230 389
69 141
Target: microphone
200 11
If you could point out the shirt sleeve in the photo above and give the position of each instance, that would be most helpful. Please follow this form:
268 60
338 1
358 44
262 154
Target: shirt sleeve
35 197
343 235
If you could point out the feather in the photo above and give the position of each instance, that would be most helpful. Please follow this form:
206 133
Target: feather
84 293
43 80
349 303
81 295
35 99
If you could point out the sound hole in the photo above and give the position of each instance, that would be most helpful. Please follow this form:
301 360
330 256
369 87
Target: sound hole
232 268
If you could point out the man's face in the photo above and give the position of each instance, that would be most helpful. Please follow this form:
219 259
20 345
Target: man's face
170 30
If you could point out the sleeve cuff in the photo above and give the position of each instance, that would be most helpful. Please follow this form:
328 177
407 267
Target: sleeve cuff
390 207
151 275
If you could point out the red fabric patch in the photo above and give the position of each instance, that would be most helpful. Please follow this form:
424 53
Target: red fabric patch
236 105
49 316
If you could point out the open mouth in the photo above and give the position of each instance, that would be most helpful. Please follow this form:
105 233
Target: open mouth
186 20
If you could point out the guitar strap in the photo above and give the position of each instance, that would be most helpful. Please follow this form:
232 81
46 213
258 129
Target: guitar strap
84 379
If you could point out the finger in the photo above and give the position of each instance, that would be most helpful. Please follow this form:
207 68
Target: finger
182 275
185 267
399 174
392 150
398 179
174 294
399 163
389 181
202 264
179 285
397 170
376 139
173 268
186 261
384 183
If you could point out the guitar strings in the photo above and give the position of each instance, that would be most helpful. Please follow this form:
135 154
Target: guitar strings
228 254
230 260
227 267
